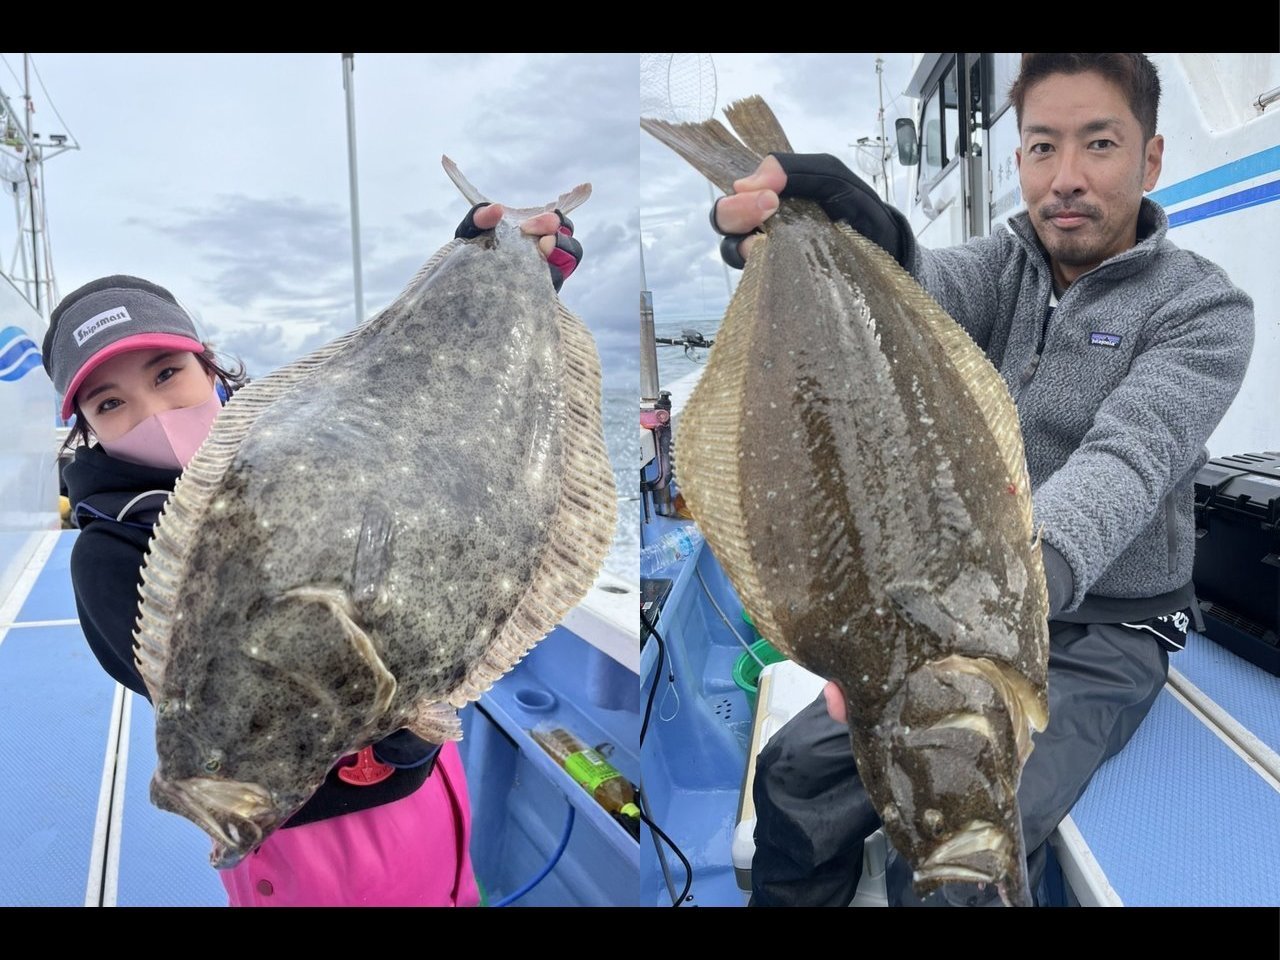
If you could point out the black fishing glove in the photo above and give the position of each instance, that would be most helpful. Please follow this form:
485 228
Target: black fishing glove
841 193
563 260
1058 578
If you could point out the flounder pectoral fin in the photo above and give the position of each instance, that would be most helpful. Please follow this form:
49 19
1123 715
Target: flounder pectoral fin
339 604
436 722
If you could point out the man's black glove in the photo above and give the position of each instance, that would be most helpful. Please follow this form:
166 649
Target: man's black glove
563 260
841 193
1058 578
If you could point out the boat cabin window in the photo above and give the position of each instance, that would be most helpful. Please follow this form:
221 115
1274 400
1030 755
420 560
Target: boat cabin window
1003 70
932 156
950 114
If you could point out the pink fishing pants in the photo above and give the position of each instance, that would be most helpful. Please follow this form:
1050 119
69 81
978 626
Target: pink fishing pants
413 852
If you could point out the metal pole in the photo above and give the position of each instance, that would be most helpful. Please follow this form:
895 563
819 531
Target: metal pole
348 86
32 181
728 283
648 351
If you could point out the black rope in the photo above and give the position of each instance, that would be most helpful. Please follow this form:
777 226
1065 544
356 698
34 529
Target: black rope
688 870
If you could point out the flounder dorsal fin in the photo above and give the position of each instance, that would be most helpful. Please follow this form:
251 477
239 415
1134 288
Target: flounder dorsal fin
564 203
581 530
435 722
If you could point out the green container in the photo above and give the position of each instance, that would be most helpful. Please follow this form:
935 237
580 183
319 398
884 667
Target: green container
746 672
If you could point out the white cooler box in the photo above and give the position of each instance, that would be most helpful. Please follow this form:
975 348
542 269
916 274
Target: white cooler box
784 690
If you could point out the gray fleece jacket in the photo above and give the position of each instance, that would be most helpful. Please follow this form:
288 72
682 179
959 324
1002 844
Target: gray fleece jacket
1116 395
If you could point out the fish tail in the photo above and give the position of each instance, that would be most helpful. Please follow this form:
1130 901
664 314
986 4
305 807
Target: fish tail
712 150
570 200
759 129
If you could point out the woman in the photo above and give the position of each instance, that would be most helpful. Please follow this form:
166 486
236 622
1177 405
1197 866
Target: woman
390 826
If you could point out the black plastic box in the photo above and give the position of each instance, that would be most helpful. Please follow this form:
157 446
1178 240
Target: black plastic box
1237 566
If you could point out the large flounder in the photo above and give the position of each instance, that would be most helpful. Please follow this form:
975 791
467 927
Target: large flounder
372 535
856 465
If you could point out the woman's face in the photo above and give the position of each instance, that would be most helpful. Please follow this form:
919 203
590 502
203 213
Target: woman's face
128 388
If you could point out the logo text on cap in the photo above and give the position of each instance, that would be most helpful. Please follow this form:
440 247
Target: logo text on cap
100 322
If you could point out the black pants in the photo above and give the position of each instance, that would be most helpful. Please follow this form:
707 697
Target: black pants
813 813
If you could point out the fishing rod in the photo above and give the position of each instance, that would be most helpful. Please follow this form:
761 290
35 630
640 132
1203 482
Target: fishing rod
690 340
655 422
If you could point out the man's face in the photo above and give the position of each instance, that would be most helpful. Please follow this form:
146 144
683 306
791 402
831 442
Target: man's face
1084 165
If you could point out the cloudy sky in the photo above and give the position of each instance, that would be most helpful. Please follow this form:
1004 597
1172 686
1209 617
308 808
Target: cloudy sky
824 101
225 178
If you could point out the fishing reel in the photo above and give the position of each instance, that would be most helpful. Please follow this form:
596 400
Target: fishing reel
691 340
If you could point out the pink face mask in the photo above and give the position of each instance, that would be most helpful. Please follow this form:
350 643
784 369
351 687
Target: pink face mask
168 439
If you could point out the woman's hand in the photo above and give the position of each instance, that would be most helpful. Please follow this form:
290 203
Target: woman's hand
554 231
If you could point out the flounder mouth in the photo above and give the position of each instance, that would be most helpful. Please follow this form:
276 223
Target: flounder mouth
980 853
235 814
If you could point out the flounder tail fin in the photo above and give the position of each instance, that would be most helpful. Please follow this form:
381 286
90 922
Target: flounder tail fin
712 150
564 203
759 129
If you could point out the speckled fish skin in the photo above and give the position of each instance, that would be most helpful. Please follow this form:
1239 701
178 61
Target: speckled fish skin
371 537
856 465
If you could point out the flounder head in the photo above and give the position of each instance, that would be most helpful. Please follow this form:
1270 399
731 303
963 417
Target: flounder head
248 733
951 774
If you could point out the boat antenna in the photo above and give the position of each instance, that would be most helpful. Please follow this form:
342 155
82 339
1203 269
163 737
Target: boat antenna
23 152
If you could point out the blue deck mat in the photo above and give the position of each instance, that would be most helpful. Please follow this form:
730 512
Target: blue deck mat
1244 690
1179 819
164 858
56 704
51 597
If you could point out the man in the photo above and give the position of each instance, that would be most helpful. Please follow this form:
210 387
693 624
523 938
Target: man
1122 353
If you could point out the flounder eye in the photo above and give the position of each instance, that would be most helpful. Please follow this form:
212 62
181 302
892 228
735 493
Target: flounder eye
933 822
213 764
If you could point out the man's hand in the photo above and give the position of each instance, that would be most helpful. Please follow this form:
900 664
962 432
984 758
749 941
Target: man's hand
835 702
554 230
813 176
753 201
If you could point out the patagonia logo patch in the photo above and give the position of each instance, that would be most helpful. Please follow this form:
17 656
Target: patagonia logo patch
1104 340
99 322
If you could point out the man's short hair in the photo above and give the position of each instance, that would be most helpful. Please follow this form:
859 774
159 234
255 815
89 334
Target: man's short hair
1133 73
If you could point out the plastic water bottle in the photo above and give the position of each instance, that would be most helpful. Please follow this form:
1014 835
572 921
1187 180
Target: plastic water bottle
676 545
593 772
